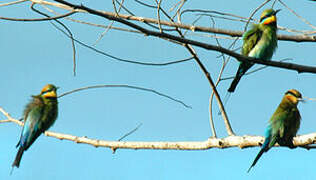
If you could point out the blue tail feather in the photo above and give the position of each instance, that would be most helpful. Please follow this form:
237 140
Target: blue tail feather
264 148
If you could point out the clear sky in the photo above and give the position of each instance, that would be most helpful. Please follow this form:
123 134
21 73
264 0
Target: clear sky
35 53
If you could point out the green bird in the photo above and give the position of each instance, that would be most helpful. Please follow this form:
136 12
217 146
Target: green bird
258 42
283 124
39 115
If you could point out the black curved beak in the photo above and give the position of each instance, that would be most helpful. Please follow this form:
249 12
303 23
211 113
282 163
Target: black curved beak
276 11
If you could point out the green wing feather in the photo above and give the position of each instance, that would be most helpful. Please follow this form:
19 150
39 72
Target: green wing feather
251 38
277 125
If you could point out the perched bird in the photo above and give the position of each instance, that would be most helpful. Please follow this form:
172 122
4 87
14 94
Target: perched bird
258 42
283 124
39 115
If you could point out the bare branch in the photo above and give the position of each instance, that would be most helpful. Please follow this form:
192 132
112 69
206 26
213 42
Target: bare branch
69 6
10 118
121 59
297 15
253 13
12 3
39 19
230 141
213 86
296 67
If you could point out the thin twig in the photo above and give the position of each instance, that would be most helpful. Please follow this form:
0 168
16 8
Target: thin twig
111 24
220 73
121 59
213 86
295 38
131 132
239 57
254 12
12 3
69 32
127 134
253 71
125 86
10 118
297 15
39 19
158 14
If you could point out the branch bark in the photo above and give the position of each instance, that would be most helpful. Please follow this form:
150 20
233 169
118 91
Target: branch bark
69 6
227 142
290 66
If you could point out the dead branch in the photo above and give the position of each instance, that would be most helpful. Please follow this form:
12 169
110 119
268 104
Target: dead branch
70 7
227 142
291 66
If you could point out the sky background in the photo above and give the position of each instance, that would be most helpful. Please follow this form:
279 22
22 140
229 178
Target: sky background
34 54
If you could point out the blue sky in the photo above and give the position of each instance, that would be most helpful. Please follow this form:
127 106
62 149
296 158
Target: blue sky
34 54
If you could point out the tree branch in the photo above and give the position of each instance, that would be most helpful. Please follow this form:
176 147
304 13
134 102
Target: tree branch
39 19
227 142
82 9
291 66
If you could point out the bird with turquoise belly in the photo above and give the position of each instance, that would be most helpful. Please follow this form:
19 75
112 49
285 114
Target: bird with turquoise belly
283 124
259 42
39 115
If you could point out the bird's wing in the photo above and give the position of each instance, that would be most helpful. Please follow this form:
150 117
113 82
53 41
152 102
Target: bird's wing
32 126
277 125
251 38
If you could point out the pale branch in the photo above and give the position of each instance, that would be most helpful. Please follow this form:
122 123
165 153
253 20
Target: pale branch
296 67
70 7
227 142
291 66
39 19
12 3
91 24
10 118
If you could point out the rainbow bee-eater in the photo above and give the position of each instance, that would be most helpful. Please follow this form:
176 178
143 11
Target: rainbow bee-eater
258 42
38 116
283 124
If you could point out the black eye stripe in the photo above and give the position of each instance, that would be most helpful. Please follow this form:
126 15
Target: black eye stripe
290 92
266 16
48 90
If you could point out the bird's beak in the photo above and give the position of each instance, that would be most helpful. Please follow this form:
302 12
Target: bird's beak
303 100
276 11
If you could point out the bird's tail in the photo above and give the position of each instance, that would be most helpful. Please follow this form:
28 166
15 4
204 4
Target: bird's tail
256 159
264 148
18 157
234 83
